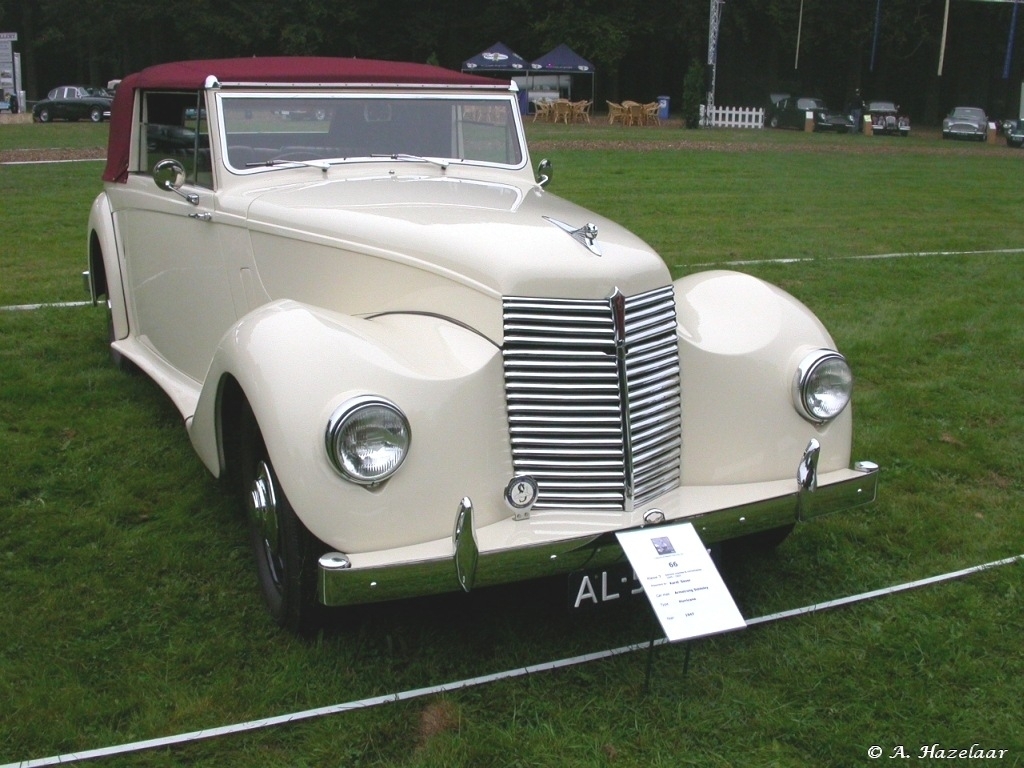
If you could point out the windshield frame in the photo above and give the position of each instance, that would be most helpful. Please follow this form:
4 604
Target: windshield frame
228 100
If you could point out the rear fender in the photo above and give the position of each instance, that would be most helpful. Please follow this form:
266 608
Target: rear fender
105 266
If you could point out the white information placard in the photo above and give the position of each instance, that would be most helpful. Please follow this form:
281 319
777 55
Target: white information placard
680 580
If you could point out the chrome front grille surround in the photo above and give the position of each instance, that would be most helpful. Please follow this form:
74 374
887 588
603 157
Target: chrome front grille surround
592 388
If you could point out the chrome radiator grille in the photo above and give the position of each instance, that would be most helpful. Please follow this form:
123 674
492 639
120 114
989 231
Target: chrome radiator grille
592 389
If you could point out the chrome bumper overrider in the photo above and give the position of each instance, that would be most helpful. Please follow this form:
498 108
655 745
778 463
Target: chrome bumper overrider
465 565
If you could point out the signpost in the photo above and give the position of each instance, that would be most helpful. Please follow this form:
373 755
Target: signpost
681 582
8 73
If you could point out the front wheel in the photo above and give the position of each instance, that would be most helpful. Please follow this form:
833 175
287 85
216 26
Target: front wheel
44 115
286 553
96 115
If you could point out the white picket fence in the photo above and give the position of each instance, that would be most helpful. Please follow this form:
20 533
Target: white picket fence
732 117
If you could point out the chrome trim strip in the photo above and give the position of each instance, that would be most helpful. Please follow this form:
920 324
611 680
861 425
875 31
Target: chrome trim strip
345 585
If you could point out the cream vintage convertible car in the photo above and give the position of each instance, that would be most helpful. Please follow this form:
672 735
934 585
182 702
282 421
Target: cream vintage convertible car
423 371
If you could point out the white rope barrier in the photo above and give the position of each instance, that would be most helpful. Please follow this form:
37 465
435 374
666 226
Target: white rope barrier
270 722
860 257
32 307
736 263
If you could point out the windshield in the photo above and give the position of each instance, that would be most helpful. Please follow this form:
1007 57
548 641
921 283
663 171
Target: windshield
810 104
970 113
262 131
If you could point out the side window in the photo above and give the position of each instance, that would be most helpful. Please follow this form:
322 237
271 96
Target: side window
174 126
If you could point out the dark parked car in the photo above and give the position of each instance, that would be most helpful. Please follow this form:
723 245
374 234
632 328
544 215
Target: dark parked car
73 102
792 113
1013 130
886 119
965 123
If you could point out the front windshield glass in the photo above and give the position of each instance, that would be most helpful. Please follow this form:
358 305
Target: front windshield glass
810 104
970 113
263 131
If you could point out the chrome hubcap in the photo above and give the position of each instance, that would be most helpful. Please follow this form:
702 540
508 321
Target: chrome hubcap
263 513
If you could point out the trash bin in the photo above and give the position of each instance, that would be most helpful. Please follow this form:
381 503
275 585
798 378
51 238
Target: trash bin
663 107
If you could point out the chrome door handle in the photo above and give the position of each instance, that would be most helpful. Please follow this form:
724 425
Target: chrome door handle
205 216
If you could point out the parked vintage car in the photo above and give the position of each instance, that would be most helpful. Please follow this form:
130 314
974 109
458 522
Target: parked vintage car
965 123
1013 131
886 119
73 102
423 371
790 112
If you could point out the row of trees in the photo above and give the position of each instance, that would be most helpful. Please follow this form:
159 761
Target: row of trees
641 48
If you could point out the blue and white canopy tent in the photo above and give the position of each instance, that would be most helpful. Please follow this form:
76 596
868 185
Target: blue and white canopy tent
499 59
566 64
550 76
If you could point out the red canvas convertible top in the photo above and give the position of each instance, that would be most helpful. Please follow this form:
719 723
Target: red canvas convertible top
193 75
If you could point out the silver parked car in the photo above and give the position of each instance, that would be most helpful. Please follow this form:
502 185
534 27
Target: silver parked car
886 119
965 123
419 369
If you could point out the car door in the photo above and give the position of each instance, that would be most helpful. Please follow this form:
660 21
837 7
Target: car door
61 109
179 298
791 114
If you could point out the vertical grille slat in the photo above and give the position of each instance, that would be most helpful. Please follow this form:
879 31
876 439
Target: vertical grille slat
592 390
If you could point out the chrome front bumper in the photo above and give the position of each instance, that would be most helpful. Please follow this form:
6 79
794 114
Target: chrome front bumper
464 565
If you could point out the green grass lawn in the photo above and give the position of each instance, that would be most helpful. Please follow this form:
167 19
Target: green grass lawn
131 608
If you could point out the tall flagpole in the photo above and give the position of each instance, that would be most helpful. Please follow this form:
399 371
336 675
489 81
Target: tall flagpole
942 48
878 23
799 28
1009 43
713 23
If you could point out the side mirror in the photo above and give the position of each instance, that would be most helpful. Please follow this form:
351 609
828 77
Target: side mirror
544 171
169 176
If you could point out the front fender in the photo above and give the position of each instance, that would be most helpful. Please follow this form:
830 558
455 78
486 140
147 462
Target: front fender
740 342
296 364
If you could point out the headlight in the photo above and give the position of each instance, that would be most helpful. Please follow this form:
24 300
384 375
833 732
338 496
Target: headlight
367 439
822 386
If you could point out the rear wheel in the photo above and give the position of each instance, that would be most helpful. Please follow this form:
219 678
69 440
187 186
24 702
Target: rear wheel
96 115
286 553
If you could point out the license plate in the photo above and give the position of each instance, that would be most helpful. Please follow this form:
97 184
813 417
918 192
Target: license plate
614 585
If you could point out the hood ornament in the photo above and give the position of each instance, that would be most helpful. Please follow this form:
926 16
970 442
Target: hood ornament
585 235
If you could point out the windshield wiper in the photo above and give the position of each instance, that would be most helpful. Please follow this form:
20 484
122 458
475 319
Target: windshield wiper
326 163
442 164
322 165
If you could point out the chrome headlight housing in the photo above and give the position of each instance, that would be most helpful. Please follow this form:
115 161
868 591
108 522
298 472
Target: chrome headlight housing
822 386
367 439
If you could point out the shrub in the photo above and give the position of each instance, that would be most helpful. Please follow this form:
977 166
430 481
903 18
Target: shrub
693 94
